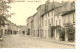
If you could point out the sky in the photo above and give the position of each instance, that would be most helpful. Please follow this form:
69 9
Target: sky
23 10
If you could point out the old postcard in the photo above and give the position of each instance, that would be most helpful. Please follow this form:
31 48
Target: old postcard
37 23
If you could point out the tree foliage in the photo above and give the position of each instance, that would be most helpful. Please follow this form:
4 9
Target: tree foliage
58 28
71 32
61 32
3 10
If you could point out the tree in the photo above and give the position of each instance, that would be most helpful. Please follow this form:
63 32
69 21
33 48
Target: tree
71 32
61 32
3 13
58 28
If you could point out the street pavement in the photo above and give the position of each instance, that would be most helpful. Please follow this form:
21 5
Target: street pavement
21 41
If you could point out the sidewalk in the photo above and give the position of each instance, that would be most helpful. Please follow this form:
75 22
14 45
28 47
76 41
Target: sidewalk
60 42
56 41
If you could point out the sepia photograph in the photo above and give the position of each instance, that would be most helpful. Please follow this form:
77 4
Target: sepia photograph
37 24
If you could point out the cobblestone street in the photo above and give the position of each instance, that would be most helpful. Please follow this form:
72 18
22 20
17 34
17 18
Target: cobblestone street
21 41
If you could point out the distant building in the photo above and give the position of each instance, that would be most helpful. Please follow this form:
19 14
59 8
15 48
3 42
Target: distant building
12 29
22 30
35 25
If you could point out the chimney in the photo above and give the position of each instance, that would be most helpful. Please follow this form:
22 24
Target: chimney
46 5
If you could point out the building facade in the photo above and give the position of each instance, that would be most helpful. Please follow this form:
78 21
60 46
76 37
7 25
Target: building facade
69 24
49 21
29 25
35 30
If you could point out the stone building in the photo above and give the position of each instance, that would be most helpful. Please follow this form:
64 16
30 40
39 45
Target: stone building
35 26
22 30
49 20
69 24
68 20
11 28
29 25
52 20
40 11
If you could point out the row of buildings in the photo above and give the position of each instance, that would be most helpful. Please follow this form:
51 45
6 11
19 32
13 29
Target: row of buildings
11 29
53 20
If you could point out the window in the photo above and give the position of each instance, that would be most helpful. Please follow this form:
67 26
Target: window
48 21
42 22
36 32
52 21
73 18
52 12
43 16
59 22
57 16
48 14
45 32
56 33
56 22
45 22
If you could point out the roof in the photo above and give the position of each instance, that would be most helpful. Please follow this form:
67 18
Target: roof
46 12
9 22
29 17
68 12
40 6
34 14
56 5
